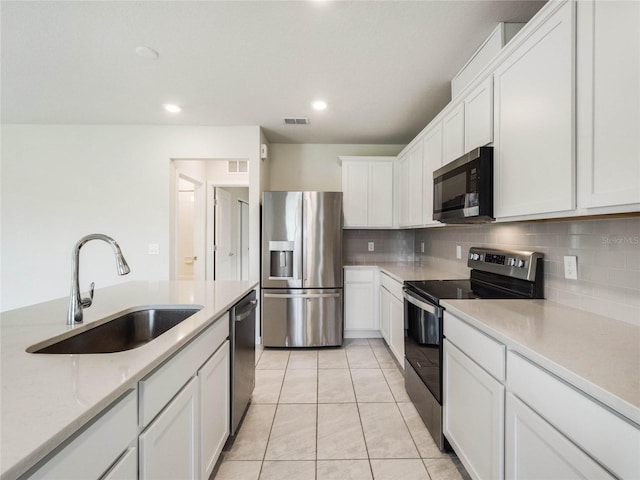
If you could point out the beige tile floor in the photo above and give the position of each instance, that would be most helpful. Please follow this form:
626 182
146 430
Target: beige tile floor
333 414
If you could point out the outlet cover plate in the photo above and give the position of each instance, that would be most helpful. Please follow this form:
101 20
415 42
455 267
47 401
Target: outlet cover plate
571 267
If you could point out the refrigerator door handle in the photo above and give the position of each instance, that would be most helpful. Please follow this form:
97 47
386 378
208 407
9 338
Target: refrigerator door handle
301 295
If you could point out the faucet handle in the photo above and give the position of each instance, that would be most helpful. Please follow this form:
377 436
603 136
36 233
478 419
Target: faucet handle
86 302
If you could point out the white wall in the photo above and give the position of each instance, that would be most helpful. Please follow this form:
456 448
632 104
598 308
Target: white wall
315 166
60 182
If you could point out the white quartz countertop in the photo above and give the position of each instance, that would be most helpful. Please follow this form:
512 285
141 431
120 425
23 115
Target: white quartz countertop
598 355
47 397
407 271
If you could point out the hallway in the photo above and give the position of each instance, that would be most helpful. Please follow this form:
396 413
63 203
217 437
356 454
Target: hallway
333 414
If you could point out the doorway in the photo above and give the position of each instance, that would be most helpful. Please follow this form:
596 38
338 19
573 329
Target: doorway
230 233
189 258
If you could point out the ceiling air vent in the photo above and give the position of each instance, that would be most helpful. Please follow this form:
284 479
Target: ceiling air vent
296 121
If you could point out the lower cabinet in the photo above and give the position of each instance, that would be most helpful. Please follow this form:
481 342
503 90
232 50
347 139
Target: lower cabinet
537 450
392 316
214 408
361 302
385 314
397 330
126 468
168 447
473 414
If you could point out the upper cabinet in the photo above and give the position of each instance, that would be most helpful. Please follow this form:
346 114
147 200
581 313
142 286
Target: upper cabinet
534 120
432 160
608 105
367 186
478 116
453 133
410 186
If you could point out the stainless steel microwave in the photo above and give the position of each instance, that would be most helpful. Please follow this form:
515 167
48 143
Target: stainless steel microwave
463 189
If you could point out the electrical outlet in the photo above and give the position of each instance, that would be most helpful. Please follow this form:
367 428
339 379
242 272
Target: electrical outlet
153 249
421 247
571 267
458 252
371 246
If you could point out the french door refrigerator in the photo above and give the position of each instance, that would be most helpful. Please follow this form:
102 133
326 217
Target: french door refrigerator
302 269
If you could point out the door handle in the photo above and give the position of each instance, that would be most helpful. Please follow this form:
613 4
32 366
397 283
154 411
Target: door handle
301 295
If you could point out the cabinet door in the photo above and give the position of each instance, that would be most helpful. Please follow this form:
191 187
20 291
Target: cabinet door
380 205
478 116
534 126
453 133
385 314
397 329
359 303
415 185
355 188
536 450
403 190
213 383
432 158
473 408
169 446
609 103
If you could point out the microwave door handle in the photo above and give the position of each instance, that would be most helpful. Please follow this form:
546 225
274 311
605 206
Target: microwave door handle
427 307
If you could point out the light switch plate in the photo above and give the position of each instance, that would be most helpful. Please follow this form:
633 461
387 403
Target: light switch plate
153 249
371 246
571 267
458 252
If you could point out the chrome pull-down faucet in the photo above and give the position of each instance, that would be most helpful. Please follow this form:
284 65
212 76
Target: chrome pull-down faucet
76 302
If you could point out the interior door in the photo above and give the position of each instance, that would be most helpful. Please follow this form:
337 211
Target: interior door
224 263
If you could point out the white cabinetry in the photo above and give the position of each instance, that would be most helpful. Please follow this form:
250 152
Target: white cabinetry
361 302
392 316
453 133
410 193
214 408
169 446
92 453
478 116
432 157
534 449
608 67
473 400
534 121
367 186
188 391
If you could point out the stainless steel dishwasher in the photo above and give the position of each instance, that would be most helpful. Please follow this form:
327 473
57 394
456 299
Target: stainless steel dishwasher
242 334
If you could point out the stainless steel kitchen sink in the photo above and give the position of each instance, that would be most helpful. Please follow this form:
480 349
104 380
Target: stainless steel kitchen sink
124 332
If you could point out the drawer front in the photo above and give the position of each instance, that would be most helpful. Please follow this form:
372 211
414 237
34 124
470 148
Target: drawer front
360 274
93 451
158 388
608 438
393 286
484 350
126 468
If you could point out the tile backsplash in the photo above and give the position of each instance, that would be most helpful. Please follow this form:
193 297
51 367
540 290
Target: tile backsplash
607 250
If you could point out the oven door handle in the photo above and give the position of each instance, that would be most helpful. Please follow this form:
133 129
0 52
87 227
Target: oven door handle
427 307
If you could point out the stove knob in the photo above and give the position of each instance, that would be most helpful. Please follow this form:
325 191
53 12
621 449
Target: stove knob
511 262
475 256
520 263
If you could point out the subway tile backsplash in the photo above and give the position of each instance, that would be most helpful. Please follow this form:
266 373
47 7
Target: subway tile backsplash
607 249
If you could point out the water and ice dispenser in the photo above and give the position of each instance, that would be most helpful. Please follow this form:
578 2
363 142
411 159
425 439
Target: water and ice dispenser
281 254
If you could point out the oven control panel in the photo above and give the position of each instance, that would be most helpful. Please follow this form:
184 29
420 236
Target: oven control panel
512 263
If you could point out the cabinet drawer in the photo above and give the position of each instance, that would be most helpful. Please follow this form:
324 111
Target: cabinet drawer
161 385
359 274
393 286
604 435
484 350
93 451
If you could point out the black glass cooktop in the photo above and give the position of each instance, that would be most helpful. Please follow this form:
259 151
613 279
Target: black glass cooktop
436 290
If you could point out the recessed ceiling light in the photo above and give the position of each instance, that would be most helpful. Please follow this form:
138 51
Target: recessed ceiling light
169 107
147 52
319 104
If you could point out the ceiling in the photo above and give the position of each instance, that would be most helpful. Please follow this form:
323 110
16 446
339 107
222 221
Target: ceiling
382 66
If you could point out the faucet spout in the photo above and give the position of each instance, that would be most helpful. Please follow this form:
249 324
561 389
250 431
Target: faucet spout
76 302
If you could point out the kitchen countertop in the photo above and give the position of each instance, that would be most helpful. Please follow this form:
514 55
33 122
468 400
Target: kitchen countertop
407 271
47 397
596 354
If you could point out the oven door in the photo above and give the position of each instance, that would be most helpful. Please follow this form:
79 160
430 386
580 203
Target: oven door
423 341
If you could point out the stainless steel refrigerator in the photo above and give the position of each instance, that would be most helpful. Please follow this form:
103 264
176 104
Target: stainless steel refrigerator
302 269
